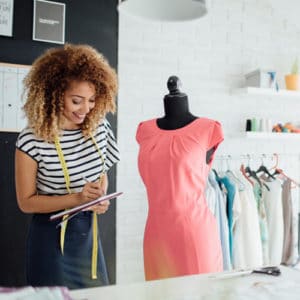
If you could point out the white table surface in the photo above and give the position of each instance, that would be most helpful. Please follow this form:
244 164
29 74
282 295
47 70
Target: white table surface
229 286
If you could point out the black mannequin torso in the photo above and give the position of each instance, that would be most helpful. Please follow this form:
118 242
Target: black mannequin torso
176 107
177 114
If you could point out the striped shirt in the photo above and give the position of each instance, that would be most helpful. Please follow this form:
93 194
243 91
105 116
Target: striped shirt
81 156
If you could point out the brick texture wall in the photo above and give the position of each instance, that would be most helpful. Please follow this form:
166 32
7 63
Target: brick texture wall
210 56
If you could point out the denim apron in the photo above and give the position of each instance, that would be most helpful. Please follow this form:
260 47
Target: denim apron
47 266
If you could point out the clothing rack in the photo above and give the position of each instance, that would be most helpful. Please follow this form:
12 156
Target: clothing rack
254 156
246 159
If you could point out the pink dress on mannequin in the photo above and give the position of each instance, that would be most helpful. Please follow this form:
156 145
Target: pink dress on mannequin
181 235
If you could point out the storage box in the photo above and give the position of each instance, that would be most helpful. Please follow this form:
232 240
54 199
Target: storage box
261 78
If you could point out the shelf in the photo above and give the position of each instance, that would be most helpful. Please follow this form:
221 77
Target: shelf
9 130
267 92
272 135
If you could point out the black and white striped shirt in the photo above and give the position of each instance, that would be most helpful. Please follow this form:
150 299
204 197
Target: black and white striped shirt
81 156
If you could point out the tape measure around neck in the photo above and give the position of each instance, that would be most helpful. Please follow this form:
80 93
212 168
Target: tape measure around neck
94 219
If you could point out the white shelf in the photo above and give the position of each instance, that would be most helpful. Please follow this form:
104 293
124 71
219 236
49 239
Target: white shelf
267 92
272 135
9 130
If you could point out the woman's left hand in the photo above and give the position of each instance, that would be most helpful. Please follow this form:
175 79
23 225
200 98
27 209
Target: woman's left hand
100 208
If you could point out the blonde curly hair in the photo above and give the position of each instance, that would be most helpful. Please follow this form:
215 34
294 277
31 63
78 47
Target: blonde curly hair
50 76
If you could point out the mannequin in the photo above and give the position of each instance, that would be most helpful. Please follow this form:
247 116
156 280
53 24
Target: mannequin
177 114
175 155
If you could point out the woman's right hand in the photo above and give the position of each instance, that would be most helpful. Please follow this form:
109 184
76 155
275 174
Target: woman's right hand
91 191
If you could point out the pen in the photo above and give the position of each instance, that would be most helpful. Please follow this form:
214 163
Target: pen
85 179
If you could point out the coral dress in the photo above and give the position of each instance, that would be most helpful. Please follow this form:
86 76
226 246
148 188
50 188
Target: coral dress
181 235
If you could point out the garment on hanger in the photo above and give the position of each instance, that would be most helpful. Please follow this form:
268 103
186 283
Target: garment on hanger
230 196
211 195
288 253
181 234
259 191
247 246
219 210
274 215
264 218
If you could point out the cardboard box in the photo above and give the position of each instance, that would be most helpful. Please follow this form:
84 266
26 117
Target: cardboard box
261 78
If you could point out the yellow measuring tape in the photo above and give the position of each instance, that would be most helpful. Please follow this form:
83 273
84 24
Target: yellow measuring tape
95 219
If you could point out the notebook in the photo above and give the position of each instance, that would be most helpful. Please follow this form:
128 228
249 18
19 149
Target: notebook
84 206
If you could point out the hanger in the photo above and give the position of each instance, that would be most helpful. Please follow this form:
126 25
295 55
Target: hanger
242 169
250 173
216 173
232 176
276 161
246 170
264 169
278 171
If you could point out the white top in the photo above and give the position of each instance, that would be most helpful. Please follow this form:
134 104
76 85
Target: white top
273 204
247 247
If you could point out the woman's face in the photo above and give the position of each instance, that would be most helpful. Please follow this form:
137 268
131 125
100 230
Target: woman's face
79 100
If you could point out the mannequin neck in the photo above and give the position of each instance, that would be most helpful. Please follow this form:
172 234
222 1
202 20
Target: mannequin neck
177 112
176 105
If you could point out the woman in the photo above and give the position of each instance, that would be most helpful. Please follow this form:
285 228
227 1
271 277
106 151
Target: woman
61 161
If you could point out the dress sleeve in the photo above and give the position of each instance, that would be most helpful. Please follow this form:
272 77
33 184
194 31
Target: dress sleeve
138 133
112 150
216 138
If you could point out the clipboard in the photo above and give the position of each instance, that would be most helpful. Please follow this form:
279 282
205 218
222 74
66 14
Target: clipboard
77 209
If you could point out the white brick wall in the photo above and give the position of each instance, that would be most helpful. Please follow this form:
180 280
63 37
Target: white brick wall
210 56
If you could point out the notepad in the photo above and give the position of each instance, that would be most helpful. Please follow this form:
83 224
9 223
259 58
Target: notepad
84 206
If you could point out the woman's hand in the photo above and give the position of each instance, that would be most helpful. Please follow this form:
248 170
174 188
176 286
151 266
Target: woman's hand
100 208
94 190
91 191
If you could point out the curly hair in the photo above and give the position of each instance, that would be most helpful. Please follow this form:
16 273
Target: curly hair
50 76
